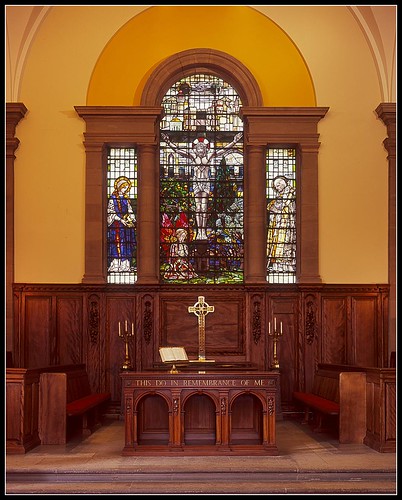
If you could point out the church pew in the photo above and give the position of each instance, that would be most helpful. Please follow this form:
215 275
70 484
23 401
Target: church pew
380 397
338 398
66 404
22 406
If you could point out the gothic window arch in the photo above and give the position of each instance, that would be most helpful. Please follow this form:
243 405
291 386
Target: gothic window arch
264 128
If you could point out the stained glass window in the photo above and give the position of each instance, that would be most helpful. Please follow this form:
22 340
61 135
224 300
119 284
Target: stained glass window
201 183
281 215
121 215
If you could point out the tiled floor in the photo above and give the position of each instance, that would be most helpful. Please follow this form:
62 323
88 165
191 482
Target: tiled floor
308 463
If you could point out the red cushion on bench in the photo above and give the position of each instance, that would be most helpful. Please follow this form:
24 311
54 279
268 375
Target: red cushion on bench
318 403
80 406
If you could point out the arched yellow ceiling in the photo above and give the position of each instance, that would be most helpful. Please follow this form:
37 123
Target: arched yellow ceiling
147 39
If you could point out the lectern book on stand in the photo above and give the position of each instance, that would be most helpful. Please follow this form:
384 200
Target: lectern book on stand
173 355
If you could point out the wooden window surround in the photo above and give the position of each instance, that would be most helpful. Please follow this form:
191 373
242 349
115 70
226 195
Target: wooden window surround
138 126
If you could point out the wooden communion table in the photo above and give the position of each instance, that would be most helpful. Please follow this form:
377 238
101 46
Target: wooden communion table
208 413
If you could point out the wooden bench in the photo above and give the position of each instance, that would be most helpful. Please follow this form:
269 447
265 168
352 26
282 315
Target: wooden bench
380 404
22 406
67 405
336 401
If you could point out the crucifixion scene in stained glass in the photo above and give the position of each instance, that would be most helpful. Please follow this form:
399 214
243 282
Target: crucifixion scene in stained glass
201 182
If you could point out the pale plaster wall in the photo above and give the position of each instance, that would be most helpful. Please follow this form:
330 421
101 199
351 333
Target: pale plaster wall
60 55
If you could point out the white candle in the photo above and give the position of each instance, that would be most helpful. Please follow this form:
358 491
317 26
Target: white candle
119 330
132 328
275 324
281 326
269 327
126 327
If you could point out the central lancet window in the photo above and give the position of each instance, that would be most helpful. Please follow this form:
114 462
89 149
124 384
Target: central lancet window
201 183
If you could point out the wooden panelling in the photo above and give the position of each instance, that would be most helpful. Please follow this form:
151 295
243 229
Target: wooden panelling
119 309
22 400
364 326
285 310
79 323
381 409
334 330
39 333
69 330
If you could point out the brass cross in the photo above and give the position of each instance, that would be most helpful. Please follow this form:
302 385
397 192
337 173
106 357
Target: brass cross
201 309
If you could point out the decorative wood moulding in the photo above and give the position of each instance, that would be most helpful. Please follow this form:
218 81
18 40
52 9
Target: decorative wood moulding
311 319
94 316
256 321
134 289
148 321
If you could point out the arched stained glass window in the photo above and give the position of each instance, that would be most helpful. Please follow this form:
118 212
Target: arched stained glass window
281 215
201 183
121 215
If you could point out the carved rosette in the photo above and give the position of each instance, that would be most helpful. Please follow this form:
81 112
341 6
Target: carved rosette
93 318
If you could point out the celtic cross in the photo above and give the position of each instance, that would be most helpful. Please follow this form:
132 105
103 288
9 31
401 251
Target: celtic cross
201 309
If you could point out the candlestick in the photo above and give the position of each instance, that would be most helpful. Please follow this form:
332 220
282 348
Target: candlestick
275 338
125 337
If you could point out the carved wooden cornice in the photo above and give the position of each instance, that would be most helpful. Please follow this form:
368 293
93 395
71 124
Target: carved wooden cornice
197 289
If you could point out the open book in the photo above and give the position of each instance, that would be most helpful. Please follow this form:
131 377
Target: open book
173 354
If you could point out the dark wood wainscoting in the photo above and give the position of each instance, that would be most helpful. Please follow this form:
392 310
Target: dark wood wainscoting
64 324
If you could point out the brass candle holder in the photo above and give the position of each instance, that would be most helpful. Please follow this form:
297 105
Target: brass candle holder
275 335
125 336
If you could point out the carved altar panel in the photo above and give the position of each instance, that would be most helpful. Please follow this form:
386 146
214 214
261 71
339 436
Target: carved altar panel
208 413
246 420
225 332
199 420
153 420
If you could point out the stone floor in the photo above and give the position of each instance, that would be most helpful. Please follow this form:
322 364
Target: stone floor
307 463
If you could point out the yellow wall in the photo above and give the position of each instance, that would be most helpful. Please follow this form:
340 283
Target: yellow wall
121 71
300 56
